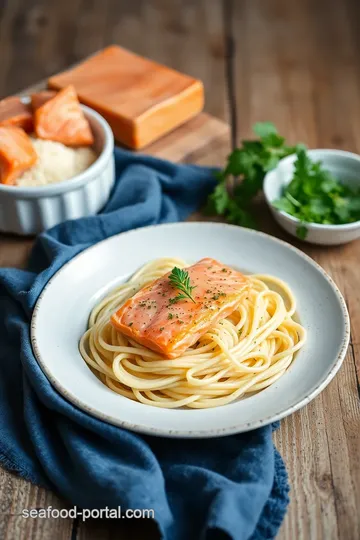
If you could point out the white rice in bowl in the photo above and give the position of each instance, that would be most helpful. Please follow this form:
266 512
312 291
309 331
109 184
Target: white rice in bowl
56 163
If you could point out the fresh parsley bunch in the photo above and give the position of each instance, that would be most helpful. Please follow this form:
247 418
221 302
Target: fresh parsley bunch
314 195
248 164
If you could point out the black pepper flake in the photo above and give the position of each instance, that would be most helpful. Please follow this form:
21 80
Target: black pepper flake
130 323
162 328
224 270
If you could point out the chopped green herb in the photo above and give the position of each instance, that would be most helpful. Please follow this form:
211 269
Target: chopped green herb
130 323
170 316
314 195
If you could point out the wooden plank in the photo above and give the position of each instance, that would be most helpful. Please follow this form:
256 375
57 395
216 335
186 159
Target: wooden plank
16 495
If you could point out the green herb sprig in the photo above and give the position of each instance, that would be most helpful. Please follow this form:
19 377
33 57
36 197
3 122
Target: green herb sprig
314 195
248 164
180 280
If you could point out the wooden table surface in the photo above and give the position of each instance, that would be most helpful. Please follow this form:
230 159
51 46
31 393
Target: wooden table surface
294 62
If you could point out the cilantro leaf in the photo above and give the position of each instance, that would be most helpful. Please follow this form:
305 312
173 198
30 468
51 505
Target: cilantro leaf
218 200
264 129
285 205
301 232
248 164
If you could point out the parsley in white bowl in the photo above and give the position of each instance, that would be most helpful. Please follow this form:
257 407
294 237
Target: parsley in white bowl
315 195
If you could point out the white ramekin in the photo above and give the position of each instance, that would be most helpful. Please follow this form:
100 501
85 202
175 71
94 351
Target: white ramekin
343 165
30 210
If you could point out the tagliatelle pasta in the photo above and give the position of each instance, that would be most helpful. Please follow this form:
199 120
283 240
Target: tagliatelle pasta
242 353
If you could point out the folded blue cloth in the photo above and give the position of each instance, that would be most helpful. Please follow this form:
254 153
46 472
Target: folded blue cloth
233 487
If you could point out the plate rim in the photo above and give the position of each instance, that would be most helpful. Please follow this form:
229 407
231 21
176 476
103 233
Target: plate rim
181 433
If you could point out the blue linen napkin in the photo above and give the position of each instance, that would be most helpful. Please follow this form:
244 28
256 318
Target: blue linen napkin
232 487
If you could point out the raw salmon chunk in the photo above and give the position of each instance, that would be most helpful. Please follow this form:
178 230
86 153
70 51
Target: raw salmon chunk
152 317
38 99
61 119
15 113
17 154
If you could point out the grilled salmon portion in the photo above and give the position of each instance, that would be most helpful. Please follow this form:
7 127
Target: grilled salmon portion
15 113
17 154
155 319
61 119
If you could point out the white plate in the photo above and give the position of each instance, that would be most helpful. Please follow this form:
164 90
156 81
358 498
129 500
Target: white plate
61 313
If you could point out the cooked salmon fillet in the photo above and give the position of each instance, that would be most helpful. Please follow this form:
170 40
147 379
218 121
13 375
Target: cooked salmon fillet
38 99
61 119
152 318
17 153
15 113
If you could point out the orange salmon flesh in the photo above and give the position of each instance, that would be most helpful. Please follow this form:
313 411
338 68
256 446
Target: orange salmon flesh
152 319
15 113
61 119
17 154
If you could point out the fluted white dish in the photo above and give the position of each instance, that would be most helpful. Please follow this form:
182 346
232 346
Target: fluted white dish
30 210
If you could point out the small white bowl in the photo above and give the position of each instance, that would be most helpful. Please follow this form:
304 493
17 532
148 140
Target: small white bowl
343 165
30 210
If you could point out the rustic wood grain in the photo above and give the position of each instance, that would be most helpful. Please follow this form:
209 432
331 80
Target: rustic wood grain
15 495
297 63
